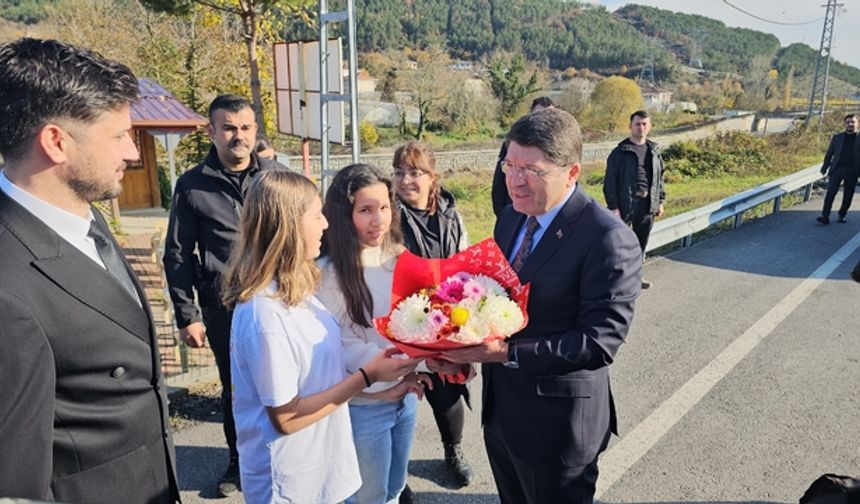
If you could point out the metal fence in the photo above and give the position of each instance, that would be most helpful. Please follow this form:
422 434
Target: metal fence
682 227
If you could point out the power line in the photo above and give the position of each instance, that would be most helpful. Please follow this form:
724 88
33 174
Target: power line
768 20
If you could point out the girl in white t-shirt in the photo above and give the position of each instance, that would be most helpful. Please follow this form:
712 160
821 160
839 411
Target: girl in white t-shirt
289 380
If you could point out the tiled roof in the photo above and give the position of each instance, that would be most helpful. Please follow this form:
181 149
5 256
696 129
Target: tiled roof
157 108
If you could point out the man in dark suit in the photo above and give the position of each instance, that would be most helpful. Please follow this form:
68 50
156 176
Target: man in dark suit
843 161
548 409
83 412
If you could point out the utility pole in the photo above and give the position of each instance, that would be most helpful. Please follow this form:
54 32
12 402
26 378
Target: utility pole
822 65
646 75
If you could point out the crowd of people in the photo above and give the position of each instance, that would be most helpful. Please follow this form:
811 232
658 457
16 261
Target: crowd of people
283 286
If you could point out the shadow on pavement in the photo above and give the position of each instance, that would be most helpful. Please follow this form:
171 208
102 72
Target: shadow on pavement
447 498
789 244
432 470
199 468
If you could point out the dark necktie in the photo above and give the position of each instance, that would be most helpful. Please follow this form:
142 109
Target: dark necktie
112 259
526 246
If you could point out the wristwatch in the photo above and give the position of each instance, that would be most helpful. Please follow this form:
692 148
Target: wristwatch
512 362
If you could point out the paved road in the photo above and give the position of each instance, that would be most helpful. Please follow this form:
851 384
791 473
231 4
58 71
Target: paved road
738 382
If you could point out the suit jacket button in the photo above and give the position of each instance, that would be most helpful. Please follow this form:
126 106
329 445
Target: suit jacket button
118 372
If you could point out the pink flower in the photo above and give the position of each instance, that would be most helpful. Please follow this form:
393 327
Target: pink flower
450 291
473 290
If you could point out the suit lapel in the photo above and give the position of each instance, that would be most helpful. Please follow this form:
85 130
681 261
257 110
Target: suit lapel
74 272
508 231
559 231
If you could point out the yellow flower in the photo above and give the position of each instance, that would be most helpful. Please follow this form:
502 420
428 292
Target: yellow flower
459 316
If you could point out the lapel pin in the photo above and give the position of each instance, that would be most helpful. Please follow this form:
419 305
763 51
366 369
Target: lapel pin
559 234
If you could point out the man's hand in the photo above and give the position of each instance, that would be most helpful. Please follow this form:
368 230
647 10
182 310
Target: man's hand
617 212
442 366
194 335
488 351
660 211
824 171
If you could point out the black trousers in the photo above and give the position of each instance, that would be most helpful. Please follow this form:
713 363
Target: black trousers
448 408
217 320
521 482
840 175
641 220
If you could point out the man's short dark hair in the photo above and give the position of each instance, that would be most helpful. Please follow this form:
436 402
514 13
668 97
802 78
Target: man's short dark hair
642 114
849 116
554 131
45 80
542 101
228 102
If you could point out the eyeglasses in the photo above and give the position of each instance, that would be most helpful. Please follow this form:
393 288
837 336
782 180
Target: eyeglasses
528 172
412 174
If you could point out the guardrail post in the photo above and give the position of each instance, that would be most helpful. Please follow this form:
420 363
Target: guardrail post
687 241
807 193
739 218
777 202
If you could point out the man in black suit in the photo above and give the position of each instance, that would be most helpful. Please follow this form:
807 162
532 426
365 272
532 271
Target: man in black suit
83 412
843 161
548 409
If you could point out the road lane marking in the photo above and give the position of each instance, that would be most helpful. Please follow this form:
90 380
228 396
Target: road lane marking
633 446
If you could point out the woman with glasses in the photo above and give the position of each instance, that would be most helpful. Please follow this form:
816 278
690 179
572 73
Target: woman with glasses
432 228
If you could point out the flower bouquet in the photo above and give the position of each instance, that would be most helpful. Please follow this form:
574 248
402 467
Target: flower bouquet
443 304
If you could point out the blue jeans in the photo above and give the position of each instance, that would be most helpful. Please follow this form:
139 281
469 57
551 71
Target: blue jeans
383 439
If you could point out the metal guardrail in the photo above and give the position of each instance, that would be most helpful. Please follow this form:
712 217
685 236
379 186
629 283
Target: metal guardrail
683 226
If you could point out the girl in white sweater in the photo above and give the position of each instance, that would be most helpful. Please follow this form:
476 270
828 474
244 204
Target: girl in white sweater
362 245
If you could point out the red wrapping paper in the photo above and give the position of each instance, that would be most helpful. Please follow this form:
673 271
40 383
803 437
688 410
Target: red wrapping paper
413 273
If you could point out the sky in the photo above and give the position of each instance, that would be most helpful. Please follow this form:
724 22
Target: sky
786 11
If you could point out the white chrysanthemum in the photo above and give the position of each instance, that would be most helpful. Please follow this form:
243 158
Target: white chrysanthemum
491 287
475 331
411 322
502 316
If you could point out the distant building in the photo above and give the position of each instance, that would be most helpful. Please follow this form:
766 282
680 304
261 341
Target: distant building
411 65
366 83
463 66
656 99
683 106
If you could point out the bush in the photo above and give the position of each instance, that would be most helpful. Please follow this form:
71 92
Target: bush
732 153
368 135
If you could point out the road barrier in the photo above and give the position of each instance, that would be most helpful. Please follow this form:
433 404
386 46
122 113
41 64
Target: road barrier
682 227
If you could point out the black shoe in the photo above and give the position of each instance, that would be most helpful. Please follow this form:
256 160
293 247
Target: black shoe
457 465
842 219
230 484
407 496
855 275
645 284
823 219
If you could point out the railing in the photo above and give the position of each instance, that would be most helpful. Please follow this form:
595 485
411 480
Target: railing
683 226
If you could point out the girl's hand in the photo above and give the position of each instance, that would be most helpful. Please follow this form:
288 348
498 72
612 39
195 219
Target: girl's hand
387 366
410 384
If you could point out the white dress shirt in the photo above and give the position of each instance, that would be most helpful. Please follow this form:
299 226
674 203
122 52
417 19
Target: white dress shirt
72 228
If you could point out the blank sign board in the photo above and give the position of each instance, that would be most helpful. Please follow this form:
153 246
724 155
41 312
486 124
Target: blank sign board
297 79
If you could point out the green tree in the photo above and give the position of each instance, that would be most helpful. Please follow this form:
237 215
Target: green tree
509 87
258 20
612 102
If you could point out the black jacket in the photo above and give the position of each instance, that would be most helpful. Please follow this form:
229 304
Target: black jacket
204 216
451 228
834 152
499 192
620 178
